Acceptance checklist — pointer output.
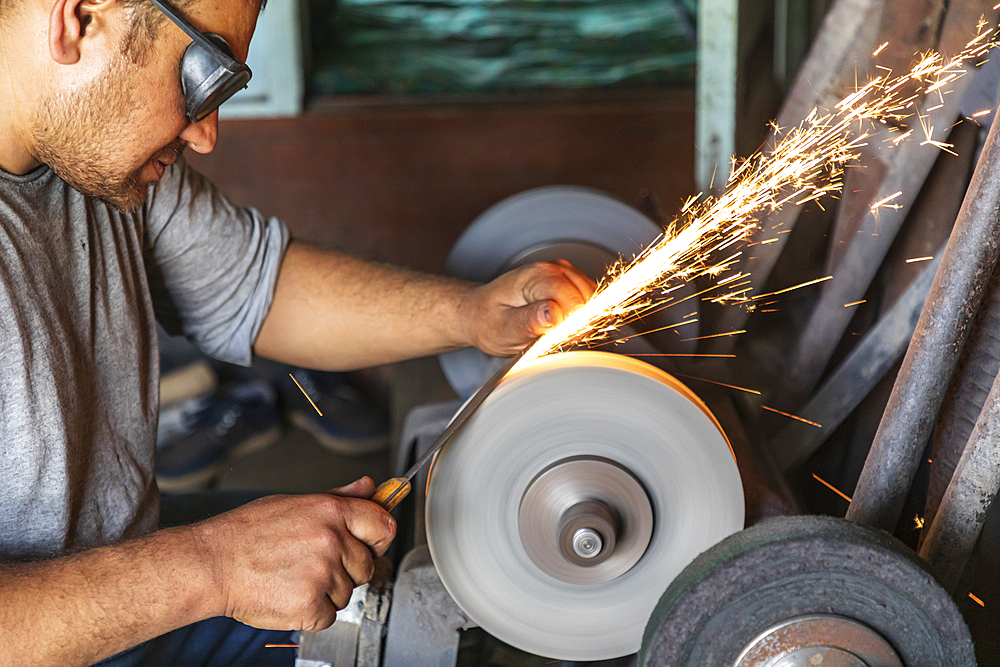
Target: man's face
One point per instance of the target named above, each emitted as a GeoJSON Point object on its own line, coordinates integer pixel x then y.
{"type": "Point", "coordinates": [114, 135]}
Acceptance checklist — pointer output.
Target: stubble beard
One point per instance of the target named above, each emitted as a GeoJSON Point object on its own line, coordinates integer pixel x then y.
{"type": "Point", "coordinates": [75, 135]}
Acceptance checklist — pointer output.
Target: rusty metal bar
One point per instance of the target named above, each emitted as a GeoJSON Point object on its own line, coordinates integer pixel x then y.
{"type": "Point", "coordinates": [848, 385]}
{"type": "Point", "coordinates": [960, 517]}
{"type": "Point", "coordinates": [941, 332]}
{"type": "Point", "coordinates": [964, 400]}
{"type": "Point", "coordinates": [908, 170]}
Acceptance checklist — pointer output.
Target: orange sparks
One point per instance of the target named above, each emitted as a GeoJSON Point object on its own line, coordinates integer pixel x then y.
{"type": "Point", "coordinates": [885, 200]}
{"type": "Point", "coordinates": [805, 163]}
{"type": "Point", "coordinates": [880, 49]}
{"type": "Point", "coordinates": [804, 421]}
{"type": "Point", "coordinates": [896, 140]}
{"type": "Point", "coordinates": [659, 354]}
{"type": "Point", "coordinates": [854, 303]}
{"type": "Point", "coordinates": [718, 335]}
{"type": "Point", "coordinates": [832, 488]}
{"type": "Point", "coordinates": [281, 645]}
{"type": "Point", "coordinates": [304, 393]}
{"type": "Point", "coordinates": [795, 287]}
{"type": "Point", "coordinates": [919, 259]}
{"type": "Point", "coordinates": [974, 598]}
{"type": "Point", "coordinates": [918, 522]}
{"type": "Point", "coordinates": [721, 384]}
{"type": "Point", "coordinates": [984, 112]}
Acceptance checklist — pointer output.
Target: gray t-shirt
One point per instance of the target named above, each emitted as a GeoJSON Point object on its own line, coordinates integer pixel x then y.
{"type": "Point", "coordinates": [81, 287]}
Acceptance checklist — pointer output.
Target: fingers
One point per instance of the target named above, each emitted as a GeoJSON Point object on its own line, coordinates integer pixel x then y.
{"type": "Point", "coordinates": [557, 283]}
{"type": "Point", "coordinates": [368, 522]}
{"type": "Point", "coordinates": [359, 488]}
{"type": "Point", "coordinates": [324, 614]}
{"type": "Point", "coordinates": [358, 562]}
{"type": "Point", "coordinates": [581, 281]}
{"type": "Point", "coordinates": [537, 318]}
{"type": "Point", "coordinates": [341, 588]}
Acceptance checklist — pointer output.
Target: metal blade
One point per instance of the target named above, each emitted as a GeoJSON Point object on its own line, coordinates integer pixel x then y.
{"type": "Point", "coordinates": [459, 419]}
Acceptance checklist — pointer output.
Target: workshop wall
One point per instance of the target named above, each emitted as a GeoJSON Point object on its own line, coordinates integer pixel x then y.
{"type": "Point", "coordinates": [400, 183]}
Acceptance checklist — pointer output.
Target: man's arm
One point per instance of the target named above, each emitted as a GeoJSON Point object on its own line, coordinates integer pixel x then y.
{"type": "Point", "coordinates": [282, 562]}
{"type": "Point", "coordinates": [335, 312]}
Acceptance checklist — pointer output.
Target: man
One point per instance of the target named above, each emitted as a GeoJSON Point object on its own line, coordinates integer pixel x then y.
{"type": "Point", "coordinates": [104, 229]}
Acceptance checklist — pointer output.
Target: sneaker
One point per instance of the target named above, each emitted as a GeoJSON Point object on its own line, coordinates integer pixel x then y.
{"type": "Point", "coordinates": [197, 437]}
{"type": "Point", "coordinates": [352, 424]}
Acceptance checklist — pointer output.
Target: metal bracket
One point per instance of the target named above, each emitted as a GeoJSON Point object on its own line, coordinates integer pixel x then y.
{"type": "Point", "coordinates": [425, 622]}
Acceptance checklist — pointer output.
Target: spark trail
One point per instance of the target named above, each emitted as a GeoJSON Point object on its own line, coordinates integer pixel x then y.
{"type": "Point", "coordinates": [805, 164]}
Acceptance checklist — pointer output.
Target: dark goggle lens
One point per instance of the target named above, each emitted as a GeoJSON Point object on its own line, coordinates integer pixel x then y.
{"type": "Point", "coordinates": [209, 78]}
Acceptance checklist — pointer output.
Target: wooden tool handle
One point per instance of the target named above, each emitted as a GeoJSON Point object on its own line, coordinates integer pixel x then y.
{"type": "Point", "coordinates": [387, 488]}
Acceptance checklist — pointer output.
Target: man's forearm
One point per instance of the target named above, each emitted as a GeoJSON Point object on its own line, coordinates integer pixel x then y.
{"type": "Point", "coordinates": [336, 312]}
{"type": "Point", "coordinates": [78, 609]}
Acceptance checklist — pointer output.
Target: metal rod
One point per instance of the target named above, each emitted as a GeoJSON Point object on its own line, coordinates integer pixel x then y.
{"type": "Point", "coordinates": [937, 342]}
{"type": "Point", "coordinates": [960, 517]}
{"type": "Point", "coordinates": [857, 375]}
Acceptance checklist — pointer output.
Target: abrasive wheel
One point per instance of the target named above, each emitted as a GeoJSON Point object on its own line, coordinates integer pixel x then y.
{"type": "Point", "coordinates": [804, 591]}
{"type": "Point", "coordinates": [589, 228]}
{"type": "Point", "coordinates": [583, 484]}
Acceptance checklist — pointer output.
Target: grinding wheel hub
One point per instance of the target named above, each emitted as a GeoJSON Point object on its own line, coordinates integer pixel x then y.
{"type": "Point", "coordinates": [819, 639]}
{"type": "Point", "coordinates": [585, 520]}
{"type": "Point", "coordinates": [583, 484]}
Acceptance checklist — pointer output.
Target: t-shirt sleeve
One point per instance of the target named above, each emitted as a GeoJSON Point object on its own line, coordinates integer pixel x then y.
{"type": "Point", "coordinates": [212, 266]}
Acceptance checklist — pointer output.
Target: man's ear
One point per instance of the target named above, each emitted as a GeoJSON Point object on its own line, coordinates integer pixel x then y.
{"type": "Point", "coordinates": [70, 23]}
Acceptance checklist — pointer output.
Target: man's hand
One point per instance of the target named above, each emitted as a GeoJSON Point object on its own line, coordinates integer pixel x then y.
{"type": "Point", "coordinates": [290, 562]}
{"type": "Point", "coordinates": [507, 314]}
{"type": "Point", "coordinates": [332, 311]}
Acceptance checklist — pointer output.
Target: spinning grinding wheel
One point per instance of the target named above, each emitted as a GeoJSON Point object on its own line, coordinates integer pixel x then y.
{"type": "Point", "coordinates": [586, 227]}
{"type": "Point", "coordinates": [582, 486]}
{"type": "Point", "coordinates": [805, 591]}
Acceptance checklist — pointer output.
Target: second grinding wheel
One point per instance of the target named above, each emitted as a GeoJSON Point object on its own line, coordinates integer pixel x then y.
{"type": "Point", "coordinates": [590, 229]}
{"type": "Point", "coordinates": [581, 487]}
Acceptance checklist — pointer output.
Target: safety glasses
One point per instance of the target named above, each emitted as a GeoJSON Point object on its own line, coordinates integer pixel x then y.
{"type": "Point", "coordinates": [210, 73]}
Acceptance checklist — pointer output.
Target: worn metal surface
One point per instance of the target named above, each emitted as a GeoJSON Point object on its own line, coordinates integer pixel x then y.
{"type": "Point", "coordinates": [374, 621]}
{"type": "Point", "coordinates": [355, 639]}
{"type": "Point", "coordinates": [964, 400]}
{"type": "Point", "coordinates": [907, 27]}
{"type": "Point", "coordinates": [819, 639]}
{"type": "Point", "coordinates": [909, 165]}
{"type": "Point", "coordinates": [421, 428]}
{"type": "Point", "coordinates": [798, 566]}
{"type": "Point", "coordinates": [960, 517]}
{"type": "Point", "coordinates": [848, 385]}
{"type": "Point", "coordinates": [954, 298]}
{"type": "Point", "coordinates": [765, 491]}
{"type": "Point", "coordinates": [424, 622]}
